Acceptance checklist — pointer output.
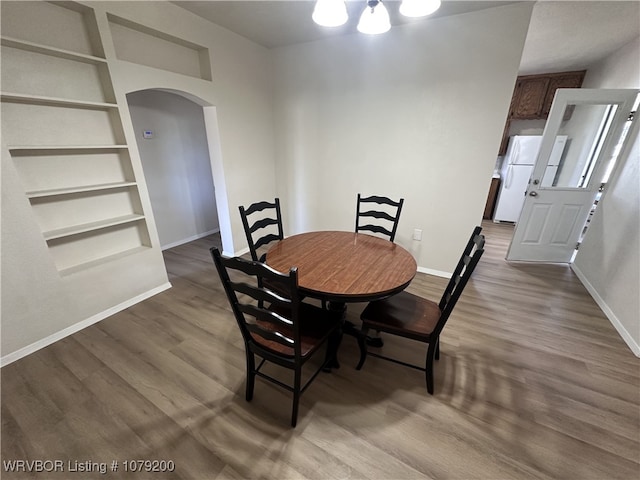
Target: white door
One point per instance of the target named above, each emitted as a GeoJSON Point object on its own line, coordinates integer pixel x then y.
{"type": "Point", "coordinates": [554, 216]}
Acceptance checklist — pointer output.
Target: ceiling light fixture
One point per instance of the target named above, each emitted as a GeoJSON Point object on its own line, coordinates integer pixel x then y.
{"type": "Point", "coordinates": [330, 13]}
{"type": "Point", "coordinates": [374, 18]}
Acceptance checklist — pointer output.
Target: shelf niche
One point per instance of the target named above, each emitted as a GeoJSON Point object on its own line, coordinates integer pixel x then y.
{"type": "Point", "coordinates": [74, 253]}
{"type": "Point", "coordinates": [145, 46]}
{"type": "Point", "coordinates": [59, 169]}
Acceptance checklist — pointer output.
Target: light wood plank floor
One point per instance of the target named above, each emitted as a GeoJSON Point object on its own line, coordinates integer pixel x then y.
{"type": "Point", "coordinates": [533, 382]}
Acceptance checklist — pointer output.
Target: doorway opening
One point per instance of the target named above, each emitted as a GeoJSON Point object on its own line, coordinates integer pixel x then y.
{"type": "Point", "coordinates": [177, 137]}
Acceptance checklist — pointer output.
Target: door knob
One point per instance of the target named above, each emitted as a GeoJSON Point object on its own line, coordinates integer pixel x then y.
{"type": "Point", "coordinates": [533, 194]}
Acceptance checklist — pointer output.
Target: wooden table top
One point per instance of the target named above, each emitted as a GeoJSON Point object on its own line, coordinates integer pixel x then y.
{"type": "Point", "coordinates": [344, 266]}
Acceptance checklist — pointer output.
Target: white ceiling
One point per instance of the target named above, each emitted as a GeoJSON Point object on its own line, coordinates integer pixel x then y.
{"type": "Point", "coordinates": [563, 35]}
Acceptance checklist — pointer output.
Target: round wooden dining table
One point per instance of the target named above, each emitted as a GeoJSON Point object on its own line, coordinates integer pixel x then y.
{"type": "Point", "coordinates": [342, 267]}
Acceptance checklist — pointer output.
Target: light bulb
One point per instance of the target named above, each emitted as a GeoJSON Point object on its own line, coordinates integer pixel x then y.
{"type": "Point", "coordinates": [330, 13]}
{"type": "Point", "coordinates": [419, 8]}
{"type": "Point", "coordinates": [374, 20]}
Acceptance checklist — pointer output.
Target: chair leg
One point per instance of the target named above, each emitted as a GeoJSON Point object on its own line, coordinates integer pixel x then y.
{"type": "Point", "coordinates": [431, 351]}
{"type": "Point", "coordinates": [251, 374]}
{"type": "Point", "coordinates": [296, 396]}
{"type": "Point", "coordinates": [438, 348]}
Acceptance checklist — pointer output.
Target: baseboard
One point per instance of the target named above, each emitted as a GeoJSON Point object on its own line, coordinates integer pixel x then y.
{"type": "Point", "coordinates": [190, 239]}
{"type": "Point", "coordinates": [626, 336]}
{"type": "Point", "coordinates": [241, 252]}
{"type": "Point", "coordinates": [436, 273]}
{"type": "Point", "coordinates": [45, 342]}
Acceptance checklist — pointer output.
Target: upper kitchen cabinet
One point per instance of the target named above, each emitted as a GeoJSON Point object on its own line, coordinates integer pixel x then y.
{"type": "Point", "coordinates": [529, 97]}
{"type": "Point", "coordinates": [533, 96]}
{"type": "Point", "coordinates": [560, 80]}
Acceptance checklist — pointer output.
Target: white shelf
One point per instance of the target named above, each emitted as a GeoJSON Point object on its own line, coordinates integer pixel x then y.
{"type": "Point", "coordinates": [53, 51]}
{"type": "Point", "coordinates": [89, 227]}
{"type": "Point", "coordinates": [55, 148]}
{"type": "Point", "coordinates": [55, 101]}
{"type": "Point", "coordinates": [79, 189]}
{"type": "Point", "coordinates": [101, 261]}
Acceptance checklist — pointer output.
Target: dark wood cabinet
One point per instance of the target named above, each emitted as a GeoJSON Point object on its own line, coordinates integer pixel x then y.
{"type": "Point", "coordinates": [533, 96]}
{"type": "Point", "coordinates": [529, 97]}
{"type": "Point", "coordinates": [491, 198]}
{"type": "Point", "coordinates": [570, 80]}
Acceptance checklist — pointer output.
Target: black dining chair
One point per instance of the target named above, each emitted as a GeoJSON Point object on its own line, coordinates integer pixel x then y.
{"type": "Point", "coordinates": [288, 332]}
{"type": "Point", "coordinates": [416, 318]}
{"type": "Point", "coordinates": [381, 217]}
{"type": "Point", "coordinates": [262, 222]}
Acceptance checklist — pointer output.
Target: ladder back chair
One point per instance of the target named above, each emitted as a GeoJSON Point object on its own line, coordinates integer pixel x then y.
{"type": "Point", "coordinates": [416, 318]}
{"type": "Point", "coordinates": [386, 214]}
{"type": "Point", "coordinates": [276, 327]}
{"type": "Point", "coordinates": [262, 223]}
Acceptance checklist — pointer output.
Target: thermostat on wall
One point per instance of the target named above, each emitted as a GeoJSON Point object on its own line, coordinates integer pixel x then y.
{"type": "Point", "coordinates": [147, 134]}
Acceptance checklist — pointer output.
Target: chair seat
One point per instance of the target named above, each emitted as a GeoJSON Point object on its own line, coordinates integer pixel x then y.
{"type": "Point", "coordinates": [316, 325]}
{"type": "Point", "coordinates": [404, 314]}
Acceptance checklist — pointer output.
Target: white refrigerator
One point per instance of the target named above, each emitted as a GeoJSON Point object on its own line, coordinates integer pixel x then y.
{"type": "Point", "coordinates": [517, 166]}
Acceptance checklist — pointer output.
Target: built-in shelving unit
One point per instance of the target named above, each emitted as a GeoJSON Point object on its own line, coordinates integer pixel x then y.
{"type": "Point", "coordinates": [68, 147]}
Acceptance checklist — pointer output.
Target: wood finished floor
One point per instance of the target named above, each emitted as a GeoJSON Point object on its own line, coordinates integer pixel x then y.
{"type": "Point", "coordinates": [533, 382]}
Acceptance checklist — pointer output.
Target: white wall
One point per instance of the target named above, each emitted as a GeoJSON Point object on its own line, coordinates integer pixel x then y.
{"type": "Point", "coordinates": [416, 113]}
{"type": "Point", "coordinates": [176, 165]}
{"type": "Point", "coordinates": [608, 261]}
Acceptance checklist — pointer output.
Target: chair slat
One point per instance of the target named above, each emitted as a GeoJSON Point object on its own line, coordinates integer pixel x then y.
{"type": "Point", "coordinates": [271, 335]}
{"type": "Point", "coordinates": [375, 229]}
{"type": "Point", "coordinates": [265, 222]}
{"type": "Point", "coordinates": [381, 200]}
{"type": "Point", "coordinates": [381, 215]}
{"type": "Point", "coordinates": [261, 242]}
{"type": "Point", "coordinates": [258, 207]}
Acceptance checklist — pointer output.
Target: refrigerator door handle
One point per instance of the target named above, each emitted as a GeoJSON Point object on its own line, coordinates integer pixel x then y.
{"type": "Point", "coordinates": [516, 153]}
{"type": "Point", "coordinates": [507, 181]}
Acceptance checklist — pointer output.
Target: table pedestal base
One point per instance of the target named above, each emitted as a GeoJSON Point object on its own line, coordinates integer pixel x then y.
{"type": "Point", "coordinates": [350, 329]}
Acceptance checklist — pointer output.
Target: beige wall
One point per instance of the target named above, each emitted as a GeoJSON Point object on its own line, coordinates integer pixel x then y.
{"type": "Point", "coordinates": [416, 113]}
{"type": "Point", "coordinates": [608, 261]}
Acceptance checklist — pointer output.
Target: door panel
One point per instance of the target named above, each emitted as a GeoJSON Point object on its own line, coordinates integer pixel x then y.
{"type": "Point", "coordinates": [566, 224]}
{"type": "Point", "coordinates": [539, 218]}
{"type": "Point", "coordinates": [554, 215]}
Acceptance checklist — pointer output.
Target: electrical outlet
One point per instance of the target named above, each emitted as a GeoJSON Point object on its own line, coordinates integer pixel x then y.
{"type": "Point", "coordinates": [417, 234]}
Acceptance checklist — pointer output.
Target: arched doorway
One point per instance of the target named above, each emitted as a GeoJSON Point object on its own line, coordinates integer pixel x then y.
{"type": "Point", "coordinates": [184, 180]}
